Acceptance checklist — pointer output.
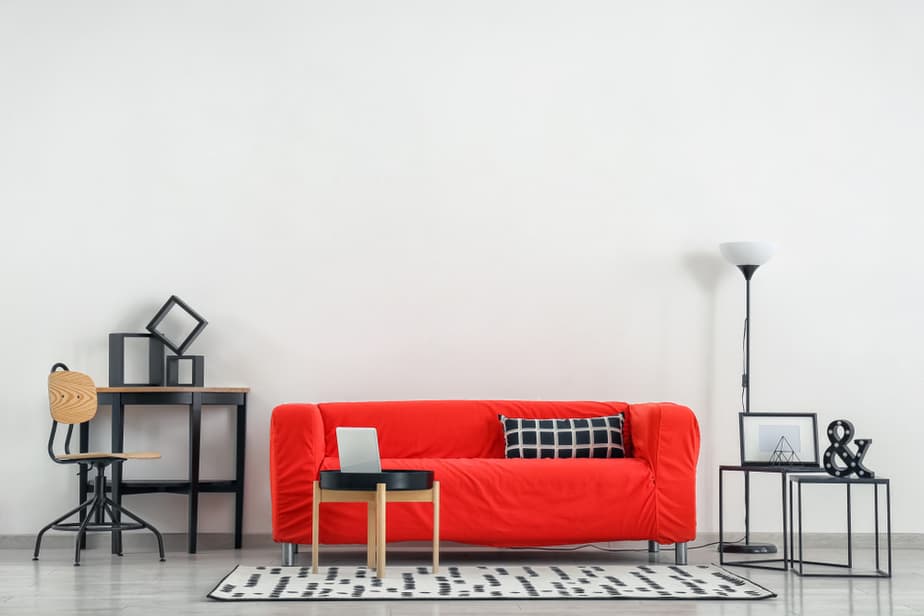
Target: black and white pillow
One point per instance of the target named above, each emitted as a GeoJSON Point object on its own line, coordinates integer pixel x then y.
{"type": "Point", "coordinates": [586, 437]}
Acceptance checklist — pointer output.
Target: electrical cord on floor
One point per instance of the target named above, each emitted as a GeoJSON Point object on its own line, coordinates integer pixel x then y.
{"type": "Point", "coordinates": [706, 545]}
{"type": "Point", "coordinates": [575, 548]}
{"type": "Point", "coordinates": [594, 546]}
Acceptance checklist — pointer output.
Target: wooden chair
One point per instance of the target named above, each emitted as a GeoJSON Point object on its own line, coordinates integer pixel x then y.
{"type": "Point", "coordinates": [72, 398]}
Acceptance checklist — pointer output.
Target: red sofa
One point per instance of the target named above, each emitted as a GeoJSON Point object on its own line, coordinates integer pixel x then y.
{"type": "Point", "coordinates": [485, 498]}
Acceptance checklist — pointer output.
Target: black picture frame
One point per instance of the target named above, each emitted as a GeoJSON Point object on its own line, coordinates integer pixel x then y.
{"type": "Point", "coordinates": [178, 347]}
{"type": "Point", "coordinates": [778, 425]}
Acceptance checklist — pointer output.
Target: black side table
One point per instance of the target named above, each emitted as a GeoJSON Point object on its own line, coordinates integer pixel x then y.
{"type": "Point", "coordinates": [376, 490]}
{"type": "Point", "coordinates": [798, 564]}
{"type": "Point", "coordinates": [774, 564]}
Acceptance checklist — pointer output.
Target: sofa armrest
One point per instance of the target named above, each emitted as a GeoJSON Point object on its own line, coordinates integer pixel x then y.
{"type": "Point", "coordinates": [296, 452]}
{"type": "Point", "coordinates": [666, 435]}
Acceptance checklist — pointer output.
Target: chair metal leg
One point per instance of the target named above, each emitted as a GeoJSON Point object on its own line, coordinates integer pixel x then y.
{"type": "Point", "coordinates": [654, 547]}
{"type": "Point", "coordinates": [82, 530]}
{"type": "Point", "coordinates": [147, 525]}
{"type": "Point", "coordinates": [112, 521]}
{"type": "Point", "coordinates": [92, 515]}
{"type": "Point", "coordinates": [100, 511]}
{"type": "Point", "coordinates": [38, 539]}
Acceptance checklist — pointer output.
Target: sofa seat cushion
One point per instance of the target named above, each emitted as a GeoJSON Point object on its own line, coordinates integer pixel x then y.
{"type": "Point", "coordinates": [512, 502]}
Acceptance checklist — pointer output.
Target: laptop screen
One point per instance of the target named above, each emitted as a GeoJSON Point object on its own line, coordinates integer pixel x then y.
{"type": "Point", "coordinates": [359, 450]}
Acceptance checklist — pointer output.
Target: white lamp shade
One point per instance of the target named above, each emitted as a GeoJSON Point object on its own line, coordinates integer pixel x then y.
{"type": "Point", "coordinates": [747, 253]}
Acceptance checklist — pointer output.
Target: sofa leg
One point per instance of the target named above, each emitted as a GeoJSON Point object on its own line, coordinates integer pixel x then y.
{"type": "Point", "coordinates": [288, 554]}
{"type": "Point", "coordinates": [654, 547]}
{"type": "Point", "coordinates": [680, 553]}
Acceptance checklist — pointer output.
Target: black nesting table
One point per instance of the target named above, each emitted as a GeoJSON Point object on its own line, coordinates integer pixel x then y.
{"type": "Point", "coordinates": [784, 471]}
{"type": "Point", "coordinates": [833, 569]}
{"type": "Point", "coordinates": [195, 398]}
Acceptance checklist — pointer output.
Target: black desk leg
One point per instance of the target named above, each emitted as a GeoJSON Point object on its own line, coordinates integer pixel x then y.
{"type": "Point", "coordinates": [721, 520]}
{"type": "Point", "coordinates": [850, 531]}
{"type": "Point", "coordinates": [876, 521]}
{"type": "Point", "coordinates": [792, 541]}
{"type": "Point", "coordinates": [801, 555]}
{"type": "Point", "coordinates": [100, 511]}
{"type": "Point", "coordinates": [241, 442]}
{"type": "Point", "coordinates": [118, 438]}
{"type": "Point", "coordinates": [747, 508]}
{"type": "Point", "coordinates": [889, 522]}
{"type": "Point", "coordinates": [82, 486]}
{"type": "Point", "coordinates": [786, 546]}
{"type": "Point", "coordinates": [195, 429]}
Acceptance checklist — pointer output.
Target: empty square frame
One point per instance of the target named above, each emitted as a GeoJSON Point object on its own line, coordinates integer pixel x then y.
{"type": "Point", "coordinates": [177, 325]}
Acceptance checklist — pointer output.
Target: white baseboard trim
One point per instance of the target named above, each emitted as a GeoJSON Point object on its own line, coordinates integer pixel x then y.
{"type": "Point", "coordinates": [914, 541]}
{"type": "Point", "coordinates": [135, 541]}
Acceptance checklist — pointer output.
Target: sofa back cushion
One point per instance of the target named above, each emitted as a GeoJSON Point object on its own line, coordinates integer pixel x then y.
{"type": "Point", "coordinates": [447, 428]}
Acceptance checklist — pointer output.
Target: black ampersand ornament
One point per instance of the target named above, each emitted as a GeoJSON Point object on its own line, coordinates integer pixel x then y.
{"type": "Point", "coordinates": [840, 433]}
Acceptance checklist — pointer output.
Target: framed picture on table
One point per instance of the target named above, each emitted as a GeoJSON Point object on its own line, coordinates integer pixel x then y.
{"type": "Point", "coordinates": [778, 439]}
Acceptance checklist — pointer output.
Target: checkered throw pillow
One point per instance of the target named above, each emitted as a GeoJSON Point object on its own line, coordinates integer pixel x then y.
{"type": "Point", "coordinates": [587, 437]}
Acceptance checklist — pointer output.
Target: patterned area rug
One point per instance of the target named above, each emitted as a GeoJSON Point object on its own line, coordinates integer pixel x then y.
{"type": "Point", "coordinates": [487, 582]}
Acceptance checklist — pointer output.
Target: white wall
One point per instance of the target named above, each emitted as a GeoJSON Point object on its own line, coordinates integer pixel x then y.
{"type": "Point", "coordinates": [376, 200]}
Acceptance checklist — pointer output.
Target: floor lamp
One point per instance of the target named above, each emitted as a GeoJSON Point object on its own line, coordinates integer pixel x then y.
{"type": "Point", "coordinates": [747, 257]}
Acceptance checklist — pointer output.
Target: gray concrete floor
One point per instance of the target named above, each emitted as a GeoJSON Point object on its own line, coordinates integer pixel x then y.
{"type": "Point", "coordinates": [139, 584]}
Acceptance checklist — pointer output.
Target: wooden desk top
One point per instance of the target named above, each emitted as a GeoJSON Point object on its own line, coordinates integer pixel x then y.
{"type": "Point", "coordinates": [171, 390]}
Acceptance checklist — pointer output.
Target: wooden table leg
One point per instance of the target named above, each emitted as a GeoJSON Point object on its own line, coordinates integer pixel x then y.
{"type": "Point", "coordinates": [380, 500]}
{"type": "Point", "coordinates": [436, 527]}
{"type": "Point", "coordinates": [370, 535]}
{"type": "Point", "coordinates": [315, 524]}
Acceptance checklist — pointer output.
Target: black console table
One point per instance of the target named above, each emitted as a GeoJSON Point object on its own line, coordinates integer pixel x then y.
{"type": "Point", "coordinates": [194, 398]}
{"type": "Point", "coordinates": [776, 564]}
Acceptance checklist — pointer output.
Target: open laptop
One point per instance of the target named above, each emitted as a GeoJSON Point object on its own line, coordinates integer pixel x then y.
{"type": "Point", "coordinates": [359, 450]}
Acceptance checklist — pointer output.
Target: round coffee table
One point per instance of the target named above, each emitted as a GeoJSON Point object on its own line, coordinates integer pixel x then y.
{"type": "Point", "coordinates": [376, 490]}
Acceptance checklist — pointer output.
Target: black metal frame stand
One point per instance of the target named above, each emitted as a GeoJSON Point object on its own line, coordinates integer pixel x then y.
{"type": "Point", "coordinates": [96, 508]}
{"type": "Point", "coordinates": [192, 487]}
{"type": "Point", "coordinates": [848, 482]}
{"type": "Point", "coordinates": [773, 564]}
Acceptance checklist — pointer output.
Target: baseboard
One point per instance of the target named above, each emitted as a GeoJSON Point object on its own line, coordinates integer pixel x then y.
{"type": "Point", "coordinates": [914, 541]}
{"type": "Point", "coordinates": [176, 542]}
{"type": "Point", "coordinates": [137, 541]}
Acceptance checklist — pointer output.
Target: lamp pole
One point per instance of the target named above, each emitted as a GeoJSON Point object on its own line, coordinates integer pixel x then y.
{"type": "Point", "coordinates": [747, 257]}
{"type": "Point", "coordinates": [748, 271]}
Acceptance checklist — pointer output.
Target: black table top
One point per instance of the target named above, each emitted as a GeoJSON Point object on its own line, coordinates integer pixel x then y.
{"type": "Point", "coordinates": [776, 468]}
{"type": "Point", "coordinates": [393, 479]}
{"type": "Point", "coordinates": [830, 479]}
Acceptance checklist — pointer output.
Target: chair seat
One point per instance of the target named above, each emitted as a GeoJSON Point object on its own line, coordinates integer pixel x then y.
{"type": "Point", "coordinates": [100, 455]}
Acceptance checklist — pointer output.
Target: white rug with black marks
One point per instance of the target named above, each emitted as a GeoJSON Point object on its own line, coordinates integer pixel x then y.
{"type": "Point", "coordinates": [487, 582]}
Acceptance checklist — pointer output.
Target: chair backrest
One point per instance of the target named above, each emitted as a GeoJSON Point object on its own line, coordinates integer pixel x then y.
{"type": "Point", "coordinates": [71, 396]}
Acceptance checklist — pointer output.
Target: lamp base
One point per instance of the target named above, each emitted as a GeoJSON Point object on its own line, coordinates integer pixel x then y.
{"type": "Point", "coordinates": [749, 548]}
